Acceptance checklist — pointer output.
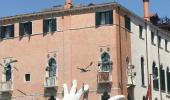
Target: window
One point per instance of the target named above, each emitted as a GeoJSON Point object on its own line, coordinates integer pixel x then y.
{"type": "Point", "coordinates": [162, 78]}
{"type": "Point", "coordinates": [52, 67]}
{"type": "Point", "coordinates": [127, 23]}
{"type": "Point", "coordinates": [7, 31]}
{"type": "Point", "coordinates": [106, 63]}
{"type": "Point", "coordinates": [27, 77]}
{"type": "Point", "coordinates": [49, 25]}
{"type": "Point", "coordinates": [103, 18]}
{"type": "Point", "coordinates": [155, 75]}
{"type": "Point", "coordinates": [8, 72]}
{"type": "Point", "coordinates": [25, 28]}
{"type": "Point", "coordinates": [166, 45]}
{"type": "Point", "coordinates": [142, 71]}
{"type": "Point", "coordinates": [168, 80]}
{"type": "Point", "coordinates": [152, 37]}
{"type": "Point", "coordinates": [159, 41]}
{"type": "Point", "coordinates": [141, 32]}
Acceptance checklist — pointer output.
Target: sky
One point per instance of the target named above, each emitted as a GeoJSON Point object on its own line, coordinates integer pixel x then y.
{"type": "Point", "coordinates": [16, 7]}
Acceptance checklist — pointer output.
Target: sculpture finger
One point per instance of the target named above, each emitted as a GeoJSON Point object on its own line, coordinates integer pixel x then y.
{"type": "Point", "coordinates": [81, 91]}
{"type": "Point", "coordinates": [65, 89]}
{"type": "Point", "coordinates": [73, 88]}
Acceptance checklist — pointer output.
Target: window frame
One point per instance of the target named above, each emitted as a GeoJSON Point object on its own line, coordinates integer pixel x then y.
{"type": "Point", "coordinates": [108, 19]}
{"type": "Point", "coordinates": [25, 80]}
{"type": "Point", "coordinates": [3, 31]}
{"type": "Point", "coordinates": [49, 25]}
{"type": "Point", "coordinates": [141, 34]}
{"type": "Point", "coordinates": [25, 28]}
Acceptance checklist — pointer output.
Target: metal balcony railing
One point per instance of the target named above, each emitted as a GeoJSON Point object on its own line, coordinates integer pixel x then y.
{"type": "Point", "coordinates": [104, 77]}
{"type": "Point", "coordinates": [50, 82]}
{"type": "Point", "coordinates": [6, 86]}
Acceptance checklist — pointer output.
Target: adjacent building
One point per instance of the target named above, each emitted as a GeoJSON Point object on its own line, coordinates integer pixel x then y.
{"type": "Point", "coordinates": [106, 46]}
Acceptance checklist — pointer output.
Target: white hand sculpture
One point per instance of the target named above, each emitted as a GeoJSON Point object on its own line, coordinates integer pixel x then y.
{"type": "Point", "coordinates": [73, 95]}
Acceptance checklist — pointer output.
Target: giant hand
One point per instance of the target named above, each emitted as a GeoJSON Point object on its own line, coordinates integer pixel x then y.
{"type": "Point", "coordinates": [73, 95]}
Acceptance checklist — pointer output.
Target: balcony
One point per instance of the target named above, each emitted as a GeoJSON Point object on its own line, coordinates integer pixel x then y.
{"type": "Point", "coordinates": [6, 86]}
{"type": "Point", "coordinates": [104, 77]}
{"type": "Point", "coordinates": [50, 82]}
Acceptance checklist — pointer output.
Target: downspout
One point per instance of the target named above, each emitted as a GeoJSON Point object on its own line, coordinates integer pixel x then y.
{"type": "Point", "coordinates": [120, 44]}
{"type": "Point", "coordinates": [147, 61]}
{"type": "Point", "coordinates": [159, 63]}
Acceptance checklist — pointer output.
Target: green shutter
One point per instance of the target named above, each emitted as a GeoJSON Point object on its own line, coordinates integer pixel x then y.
{"type": "Point", "coordinates": [53, 25]}
{"type": "Point", "coordinates": [45, 26]}
{"type": "Point", "coordinates": [12, 31]}
{"type": "Point", "coordinates": [97, 18]}
{"type": "Point", "coordinates": [29, 28]}
{"type": "Point", "coordinates": [111, 17]}
{"type": "Point", "coordinates": [21, 29]}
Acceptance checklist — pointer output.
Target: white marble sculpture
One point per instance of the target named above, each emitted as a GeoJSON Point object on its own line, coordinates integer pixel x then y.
{"type": "Point", "coordinates": [73, 95]}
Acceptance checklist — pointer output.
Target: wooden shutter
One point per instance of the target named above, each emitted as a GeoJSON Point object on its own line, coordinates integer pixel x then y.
{"type": "Point", "coordinates": [53, 25]}
{"type": "Point", "coordinates": [2, 31]}
{"type": "Point", "coordinates": [45, 26]}
{"type": "Point", "coordinates": [127, 23]}
{"type": "Point", "coordinates": [97, 18]}
{"type": "Point", "coordinates": [21, 29]}
{"type": "Point", "coordinates": [29, 28]}
{"type": "Point", "coordinates": [111, 17]}
{"type": "Point", "coordinates": [12, 31]}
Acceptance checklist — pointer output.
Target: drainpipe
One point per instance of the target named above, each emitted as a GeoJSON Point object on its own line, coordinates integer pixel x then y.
{"type": "Point", "coordinates": [120, 44]}
{"type": "Point", "coordinates": [147, 57]}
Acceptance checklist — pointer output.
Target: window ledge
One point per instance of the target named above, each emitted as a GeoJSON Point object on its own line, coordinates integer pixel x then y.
{"type": "Point", "coordinates": [142, 38]}
{"type": "Point", "coordinates": [167, 50]}
{"type": "Point", "coordinates": [144, 86]}
{"type": "Point", "coordinates": [103, 25]}
{"type": "Point", "coordinates": [155, 89]}
{"type": "Point", "coordinates": [154, 44]}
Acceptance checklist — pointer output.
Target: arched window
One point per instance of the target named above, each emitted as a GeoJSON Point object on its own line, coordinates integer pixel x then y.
{"type": "Point", "coordinates": [8, 72]}
{"type": "Point", "coordinates": [155, 75]}
{"type": "Point", "coordinates": [52, 67]}
{"type": "Point", "coordinates": [168, 80]}
{"type": "Point", "coordinates": [142, 71]}
{"type": "Point", "coordinates": [106, 65]}
{"type": "Point", "coordinates": [162, 78]}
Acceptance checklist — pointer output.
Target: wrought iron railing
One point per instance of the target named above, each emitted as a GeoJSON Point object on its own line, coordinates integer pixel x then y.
{"type": "Point", "coordinates": [104, 77]}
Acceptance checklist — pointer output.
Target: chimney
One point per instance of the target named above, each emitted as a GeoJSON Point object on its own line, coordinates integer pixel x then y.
{"type": "Point", "coordinates": [146, 10]}
{"type": "Point", "coordinates": [68, 4]}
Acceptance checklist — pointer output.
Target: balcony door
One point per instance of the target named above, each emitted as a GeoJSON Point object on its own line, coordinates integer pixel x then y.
{"type": "Point", "coordinates": [52, 67]}
{"type": "Point", "coordinates": [105, 58]}
{"type": "Point", "coordinates": [8, 72]}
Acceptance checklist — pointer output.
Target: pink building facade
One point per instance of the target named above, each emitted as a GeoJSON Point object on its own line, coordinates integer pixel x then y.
{"type": "Point", "coordinates": [41, 51]}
